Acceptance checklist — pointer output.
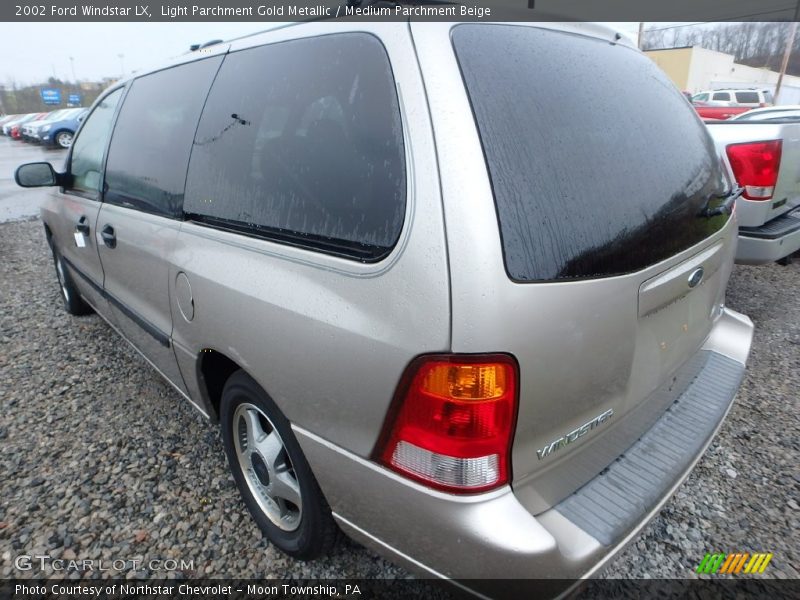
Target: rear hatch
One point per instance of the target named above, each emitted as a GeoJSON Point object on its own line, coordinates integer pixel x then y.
{"type": "Point", "coordinates": [602, 175]}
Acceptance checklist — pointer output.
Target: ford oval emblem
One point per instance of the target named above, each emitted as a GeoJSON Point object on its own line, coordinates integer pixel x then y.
{"type": "Point", "coordinates": [696, 277]}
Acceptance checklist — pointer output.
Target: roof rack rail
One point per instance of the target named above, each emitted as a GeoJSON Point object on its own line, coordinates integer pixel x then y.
{"type": "Point", "coordinates": [195, 47]}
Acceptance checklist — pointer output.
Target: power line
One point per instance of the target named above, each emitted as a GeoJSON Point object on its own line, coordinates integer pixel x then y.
{"type": "Point", "coordinates": [736, 18]}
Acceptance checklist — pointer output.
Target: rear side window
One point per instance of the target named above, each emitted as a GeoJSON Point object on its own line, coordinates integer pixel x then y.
{"type": "Point", "coordinates": [747, 97]}
{"type": "Point", "coordinates": [301, 142]}
{"type": "Point", "coordinates": [589, 179]}
{"type": "Point", "coordinates": [152, 139]}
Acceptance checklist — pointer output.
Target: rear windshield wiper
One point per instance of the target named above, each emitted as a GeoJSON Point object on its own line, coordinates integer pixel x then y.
{"type": "Point", "coordinates": [725, 208]}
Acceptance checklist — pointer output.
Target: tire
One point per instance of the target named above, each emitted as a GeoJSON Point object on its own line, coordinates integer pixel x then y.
{"type": "Point", "coordinates": [786, 260]}
{"type": "Point", "coordinates": [63, 139]}
{"type": "Point", "coordinates": [73, 302]}
{"type": "Point", "coordinates": [273, 476]}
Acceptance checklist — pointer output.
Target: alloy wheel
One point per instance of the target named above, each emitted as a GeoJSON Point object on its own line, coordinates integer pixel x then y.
{"type": "Point", "coordinates": [267, 467]}
{"type": "Point", "coordinates": [62, 279]}
{"type": "Point", "coordinates": [64, 139]}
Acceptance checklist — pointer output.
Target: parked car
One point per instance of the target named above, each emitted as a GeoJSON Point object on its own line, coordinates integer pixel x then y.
{"type": "Point", "coordinates": [707, 111]}
{"type": "Point", "coordinates": [484, 336]}
{"type": "Point", "coordinates": [59, 131]}
{"type": "Point", "coordinates": [27, 129]}
{"type": "Point", "coordinates": [16, 130]}
{"type": "Point", "coordinates": [764, 157]}
{"type": "Point", "coordinates": [751, 97]}
{"type": "Point", "coordinates": [10, 125]}
{"type": "Point", "coordinates": [7, 119]}
{"type": "Point", "coordinates": [772, 113]}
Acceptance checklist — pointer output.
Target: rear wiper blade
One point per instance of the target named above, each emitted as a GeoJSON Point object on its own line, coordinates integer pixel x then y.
{"type": "Point", "coordinates": [725, 208]}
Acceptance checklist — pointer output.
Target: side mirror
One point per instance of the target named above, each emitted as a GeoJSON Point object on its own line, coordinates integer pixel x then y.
{"type": "Point", "coordinates": [39, 174]}
{"type": "Point", "coordinates": [81, 118]}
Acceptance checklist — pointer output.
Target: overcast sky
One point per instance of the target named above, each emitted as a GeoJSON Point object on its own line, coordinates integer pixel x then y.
{"type": "Point", "coordinates": [32, 52]}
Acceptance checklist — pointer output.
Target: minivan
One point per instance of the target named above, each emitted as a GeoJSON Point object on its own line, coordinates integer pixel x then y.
{"type": "Point", "coordinates": [449, 288]}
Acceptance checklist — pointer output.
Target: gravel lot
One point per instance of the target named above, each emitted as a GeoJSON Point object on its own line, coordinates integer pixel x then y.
{"type": "Point", "coordinates": [102, 459]}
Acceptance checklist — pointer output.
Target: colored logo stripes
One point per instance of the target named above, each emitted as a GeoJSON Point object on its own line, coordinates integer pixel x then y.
{"type": "Point", "coordinates": [739, 562]}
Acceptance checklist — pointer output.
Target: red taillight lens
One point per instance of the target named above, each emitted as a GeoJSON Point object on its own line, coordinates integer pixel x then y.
{"type": "Point", "coordinates": [453, 421]}
{"type": "Point", "coordinates": [755, 165]}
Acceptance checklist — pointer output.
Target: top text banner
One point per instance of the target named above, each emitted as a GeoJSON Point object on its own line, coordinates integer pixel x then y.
{"type": "Point", "coordinates": [429, 10]}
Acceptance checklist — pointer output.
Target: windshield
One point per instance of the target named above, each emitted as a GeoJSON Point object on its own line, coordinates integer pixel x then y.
{"type": "Point", "coordinates": [56, 114]}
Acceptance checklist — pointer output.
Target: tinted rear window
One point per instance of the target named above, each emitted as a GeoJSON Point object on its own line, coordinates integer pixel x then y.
{"type": "Point", "coordinates": [301, 142]}
{"type": "Point", "coordinates": [747, 97]}
{"type": "Point", "coordinates": [598, 165]}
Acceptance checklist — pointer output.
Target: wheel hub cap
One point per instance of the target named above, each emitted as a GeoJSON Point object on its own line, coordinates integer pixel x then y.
{"type": "Point", "coordinates": [260, 468]}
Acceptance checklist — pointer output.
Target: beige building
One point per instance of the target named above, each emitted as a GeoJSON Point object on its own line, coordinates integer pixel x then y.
{"type": "Point", "coordinates": [693, 69]}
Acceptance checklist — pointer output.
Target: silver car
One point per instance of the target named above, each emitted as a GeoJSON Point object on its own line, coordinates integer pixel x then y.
{"type": "Point", "coordinates": [452, 289]}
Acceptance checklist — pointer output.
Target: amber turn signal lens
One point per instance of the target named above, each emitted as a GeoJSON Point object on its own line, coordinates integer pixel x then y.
{"type": "Point", "coordinates": [466, 382]}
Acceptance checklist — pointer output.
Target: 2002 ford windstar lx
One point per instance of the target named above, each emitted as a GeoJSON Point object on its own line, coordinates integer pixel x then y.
{"type": "Point", "coordinates": [452, 289]}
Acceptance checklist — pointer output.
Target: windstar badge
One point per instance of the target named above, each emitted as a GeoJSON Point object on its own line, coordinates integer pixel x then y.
{"type": "Point", "coordinates": [574, 434]}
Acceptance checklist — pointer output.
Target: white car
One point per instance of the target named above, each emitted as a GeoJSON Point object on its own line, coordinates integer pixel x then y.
{"type": "Point", "coordinates": [730, 97]}
{"type": "Point", "coordinates": [771, 113]}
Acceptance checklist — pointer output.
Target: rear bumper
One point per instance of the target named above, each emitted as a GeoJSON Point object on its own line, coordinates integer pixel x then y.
{"type": "Point", "coordinates": [772, 241]}
{"type": "Point", "coordinates": [492, 536]}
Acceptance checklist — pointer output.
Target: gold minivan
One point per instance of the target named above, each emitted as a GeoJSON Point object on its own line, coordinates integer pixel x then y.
{"type": "Point", "coordinates": [457, 290]}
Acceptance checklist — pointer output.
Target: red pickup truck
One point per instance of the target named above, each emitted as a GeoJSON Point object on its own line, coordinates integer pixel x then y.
{"type": "Point", "coordinates": [707, 111]}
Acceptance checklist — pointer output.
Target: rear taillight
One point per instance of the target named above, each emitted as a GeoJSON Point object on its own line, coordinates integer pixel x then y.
{"type": "Point", "coordinates": [755, 165]}
{"type": "Point", "coordinates": [452, 422]}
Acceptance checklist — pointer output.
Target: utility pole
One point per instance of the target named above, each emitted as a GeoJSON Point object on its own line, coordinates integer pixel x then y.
{"type": "Point", "coordinates": [72, 66]}
{"type": "Point", "coordinates": [641, 32]}
{"type": "Point", "coordinates": [785, 63]}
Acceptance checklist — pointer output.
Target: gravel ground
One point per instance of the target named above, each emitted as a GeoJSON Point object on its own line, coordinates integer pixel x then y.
{"type": "Point", "coordinates": [103, 460]}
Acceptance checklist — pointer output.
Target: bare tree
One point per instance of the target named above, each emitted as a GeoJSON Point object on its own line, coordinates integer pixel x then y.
{"type": "Point", "coordinates": [751, 43]}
